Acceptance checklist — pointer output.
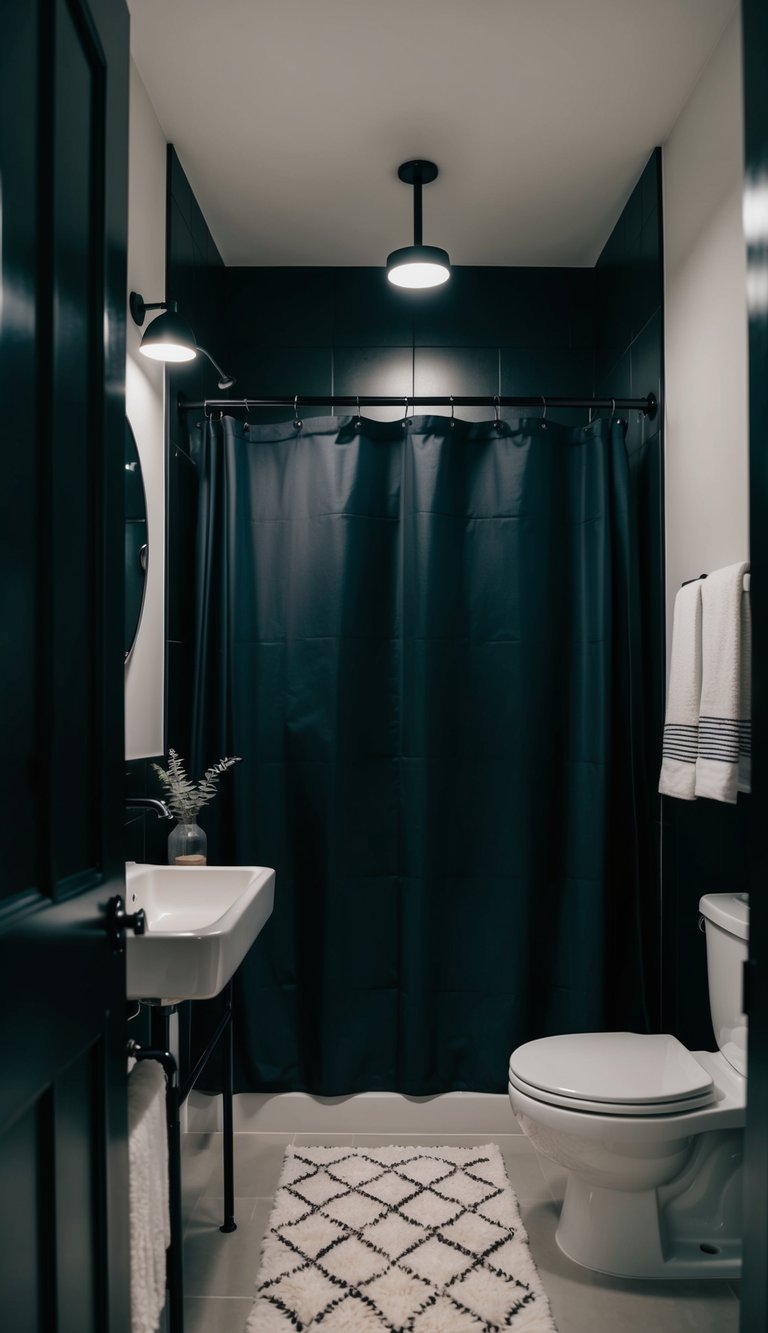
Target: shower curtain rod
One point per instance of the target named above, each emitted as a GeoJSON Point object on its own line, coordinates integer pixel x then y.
{"type": "Point", "coordinates": [647, 405]}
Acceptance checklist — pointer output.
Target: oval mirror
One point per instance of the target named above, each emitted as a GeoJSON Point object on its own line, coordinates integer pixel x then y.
{"type": "Point", "coordinates": [136, 548]}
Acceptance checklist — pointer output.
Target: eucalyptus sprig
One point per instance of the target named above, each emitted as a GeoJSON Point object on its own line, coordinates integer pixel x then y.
{"type": "Point", "coordinates": [184, 797]}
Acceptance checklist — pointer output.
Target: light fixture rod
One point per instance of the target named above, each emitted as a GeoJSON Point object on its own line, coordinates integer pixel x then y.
{"type": "Point", "coordinates": [417, 173]}
{"type": "Point", "coordinates": [418, 228]}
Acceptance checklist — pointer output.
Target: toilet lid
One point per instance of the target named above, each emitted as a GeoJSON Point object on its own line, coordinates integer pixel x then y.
{"type": "Point", "coordinates": [626, 1069]}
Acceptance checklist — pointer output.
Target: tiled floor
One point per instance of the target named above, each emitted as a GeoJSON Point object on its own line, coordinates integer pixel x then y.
{"type": "Point", "coordinates": [220, 1270]}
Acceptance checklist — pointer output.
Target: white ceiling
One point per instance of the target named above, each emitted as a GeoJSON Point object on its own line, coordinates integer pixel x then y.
{"type": "Point", "coordinates": [291, 117]}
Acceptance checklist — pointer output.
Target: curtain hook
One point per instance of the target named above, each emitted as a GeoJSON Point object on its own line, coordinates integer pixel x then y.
{"type": "Point", "coordinates": [297, 425]}
{"type": "Point", "coordinates": [589, 417]}
{"type": "Point", "coordinates": [613, 409]}
{"type": "Point", "coordinates": [544, 413]}
{"type": "Point", "coordinates": [247, 422]}
{"type": "Point", "coordinates": [497, 423]}
{"type": "Point", "coordinates": [453, 412]}
{"type": "Point", "coordinates": [406, 421]}
{"type": "Point", "coordinates": [358, 419]}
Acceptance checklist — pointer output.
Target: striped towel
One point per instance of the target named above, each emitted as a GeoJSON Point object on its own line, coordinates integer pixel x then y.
{"type": "Point", "coordinates": [681, 726]}
{"type": "Point", "coordinates": [725, 727]}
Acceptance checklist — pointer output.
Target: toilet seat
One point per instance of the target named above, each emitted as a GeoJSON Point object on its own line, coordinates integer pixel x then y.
{"type": "Point", "coordinates": [612, 1073]}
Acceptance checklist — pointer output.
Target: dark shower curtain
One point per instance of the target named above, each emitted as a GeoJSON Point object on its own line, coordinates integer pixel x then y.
{"type": "Point", "coordinates": [423, 642]}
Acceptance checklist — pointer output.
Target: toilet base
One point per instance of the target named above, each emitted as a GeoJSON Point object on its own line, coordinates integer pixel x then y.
{"type": "Point", "coordinates": [690, 1228]}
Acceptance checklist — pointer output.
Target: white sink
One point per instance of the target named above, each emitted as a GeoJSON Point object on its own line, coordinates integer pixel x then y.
{"type": "Point", "coordinates": [201, 922]}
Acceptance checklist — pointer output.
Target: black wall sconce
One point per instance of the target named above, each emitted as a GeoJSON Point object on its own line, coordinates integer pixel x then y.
{"type": "Point", "coordinates": [169, 337]}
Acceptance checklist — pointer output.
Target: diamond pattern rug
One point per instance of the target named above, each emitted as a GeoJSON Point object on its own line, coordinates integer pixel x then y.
{"type": "Point", "coordinates": [397, 1240]}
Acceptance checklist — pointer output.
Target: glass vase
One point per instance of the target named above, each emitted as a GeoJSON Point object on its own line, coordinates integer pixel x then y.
{"type": "Point", "coordinates": [187, 845]}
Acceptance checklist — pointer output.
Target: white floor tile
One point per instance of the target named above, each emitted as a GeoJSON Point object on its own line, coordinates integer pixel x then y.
{"type": "Point", "coordinates": [219, 1264]}
{"type": "Point", "coordinates": [200, 1158]}
{"type": "Point", "coordinates": [523, 1169]}
{"type": "Point", "coordinates": [208, 1213]}
{"type": "Point", "coordinates": [206, 1314]}
{"type": "Point", "coordinates": [430, 1140]}
{"type": "Point", "coordinates": [323, 1140]}
{"type": "Point", "coordinates": [258, 1163]}
{"type": "Point", "coordinates": [587, 1302]}
{"type": "Point", "coordinates": [221, 1270]}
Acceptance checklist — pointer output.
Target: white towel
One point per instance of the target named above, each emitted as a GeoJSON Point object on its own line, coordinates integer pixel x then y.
{"type": "Point", "coordinates": [724, 722]}
{"type": "Point", "coordinates": [148, 1194]}
{"type": "Point", "coordinates": [681, 725]}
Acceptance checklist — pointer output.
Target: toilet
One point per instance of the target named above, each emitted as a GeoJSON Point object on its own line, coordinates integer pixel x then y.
{"type": "Point", "coordinates": [649, 1133]}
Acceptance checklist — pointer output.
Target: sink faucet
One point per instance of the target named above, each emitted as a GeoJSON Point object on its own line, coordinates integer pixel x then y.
{"type": "Point", "coordinates": [148, 803]}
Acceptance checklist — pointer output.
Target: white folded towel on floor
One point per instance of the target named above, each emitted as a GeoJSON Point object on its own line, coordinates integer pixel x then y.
{"type": "Point", "coordinates": [681, 725]}
{"type": "Point", "coordinates": [722, 766]}
{"type": "Point", "coordinates": [148, 1194]}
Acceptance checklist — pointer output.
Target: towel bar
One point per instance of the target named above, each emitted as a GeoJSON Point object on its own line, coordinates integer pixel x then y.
{"type": "Point", "coordinates": [746, 586]}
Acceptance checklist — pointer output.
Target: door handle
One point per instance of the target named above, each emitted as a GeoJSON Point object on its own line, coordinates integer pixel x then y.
{"type": "Point", "coordinates": [118, 921]}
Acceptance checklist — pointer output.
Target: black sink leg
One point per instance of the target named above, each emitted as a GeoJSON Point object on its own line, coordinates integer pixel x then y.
{"type": "Point", "coordinates": [227, 1120]}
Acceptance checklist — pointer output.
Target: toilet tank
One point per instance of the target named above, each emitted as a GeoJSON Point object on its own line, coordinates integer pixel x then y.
{"type": "Point", "coordinates": [726, 921]}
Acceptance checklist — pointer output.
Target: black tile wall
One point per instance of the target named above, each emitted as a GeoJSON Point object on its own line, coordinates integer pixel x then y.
{"type": "Point", "coordinates": [347, 331]}
{"type": "Point", "coordinates": [701, 846]}
{"type": "Point", "coordinates": [368, 311]}
{"type": "Point", "coordinates": [182, 505]}
{"type": "Point", "coordinates": [146, 836]}
{"type": "Point", "coordinates": [195, 278]}
{"type": "Point", "coordinates": [629, 358]}
{"type": "Point", "coordinates": [384, 370]}
{"type": "Point", "coordinates": [705, 851]}
{"type": "Point", "coordinates": [490, 330]}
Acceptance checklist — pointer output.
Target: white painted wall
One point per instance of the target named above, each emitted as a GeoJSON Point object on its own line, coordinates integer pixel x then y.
{"type": "Point", "coordinates": [706, 464]}
{"type": "Point", "coordinates": [145, 407]}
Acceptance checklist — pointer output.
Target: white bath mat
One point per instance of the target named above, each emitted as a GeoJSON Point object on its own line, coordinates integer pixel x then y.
{"type": "Point", "coordinates": [397, 1240]}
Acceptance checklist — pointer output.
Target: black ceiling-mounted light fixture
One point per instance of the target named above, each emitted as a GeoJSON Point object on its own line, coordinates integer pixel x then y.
{"type": "Point", "coordinates": [418, 265]}
{"type": "Point", "coordinates": [169, 337]}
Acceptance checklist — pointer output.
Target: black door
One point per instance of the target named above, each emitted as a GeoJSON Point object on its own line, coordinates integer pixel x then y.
{"type": "Point", "coordinates": [63, 182]}
{"type": "Point", "coordinates": [754, 1313]}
